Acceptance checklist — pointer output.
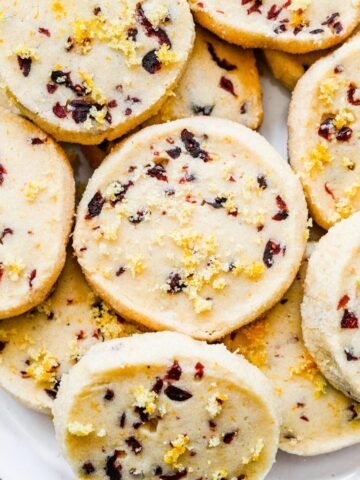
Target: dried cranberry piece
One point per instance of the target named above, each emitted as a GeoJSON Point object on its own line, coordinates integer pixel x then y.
{"type": "Point", "coordinates": [220, 62]}
{"type": "Point", "coordinates": [353, 411]}
{"type": "Point", "coordinates": [283, 212]}
{"type": "Point", "coordinates": [59, 110]}
{"type": "Point", "coordinates": [174, 372]}
{"type": "Point", "coordinates": [120, 271]}
{"type": "Point", "coordinates": [217, 203]}
{"type": "Point", "coordinates": [138, 218]}
{"type": "Point", "coordinates": [343, 302]}
{"type": "Point", "coordinates": [134, 444]}
{"type": "Point", "coordinates": [317, 31]}
{"type": "Point", "coordinates": [199, 371]}
{"type": "Point", "coordinates": [157, 471]}
{"type": "Point", "coordinates": [354, 94]}
{"type": "Point", "coordinates": [262, 182]}
{"type": "Point", "coordinates": [174, 152]}
{"type": "Point", "coordinates": [304, 418]}
{"type": "Point", "coordinates": [80, 110]}
{"type": "Point", "coordinates": [229, 437]}
{"type": "Point", "coordinates": [275, 11]}
{"type": "Point", "coordinates": [344, 134]}
{"type": "Point", "coordinates": [271, 249]}
{"type": "Point", "coordinates": [159, 33]}
{"type": "Point", "coordinates": [109, 395]}
{"type": "Point", "coordinates": [32, 277]}
{"type": "Point", "coordinates": [44, 31]}
{"type": "Point", "coordinates": [349, 320]}
{"type": "Point", "coordinates": [193, 146]}
{"type": "Point", "coordinates": [122, 193]}
{"type": "Point", "coordinates": [122, 420]}
{"type": "Point", "coordinates": [132, 34]}
{"type": "Point", "coordinates": [52, 393]}
{"type": "Point", "coordinates": [329, 191]}
{"type": "Point", "coordinates": [202, 110]}
{"type": "Point", "coordinates": [227, 85]}
{"type": "Point", "coordinates": [51, 88]}
{"type": "Point", "coordinates": [96, 11]}
{"type": "Point", "coordinates": [38, 141]}
{"type": "Point", "coordinates": [331, 18]}
{"type": "Point", "coordinates": [25, 65]}
{"type": "Point", "coordinates": [6, 231]}
{"type": "Point", "coordinates": [113, 468]}
{"type": "Point", "coordinates": [327, 128]}
{"type": "Point", "coordinates": [2, 345]}
{"type": "Point", "coordinates": [88, 468]}
{"type": "Point", "coordinates": [174, 476]}
{"type": "Point", "coordinates": [175, 282]}
{"type": "Point", "coordinates": [350, 356]}
{"type": "Point", "coordinates": [157, 171]}
{"type": "Point", "coordinates": [151, 63]}
{"type": "Point", "coordinates": [3, 172]}
{"type": "Point", "coordinates": [158, 386]}
{"type": "Point", "coordinates": [95, 206]}
{"type": "Point", "coordinates": [255, 8]}
{"type": "Point", "coordinates": [177, 394]}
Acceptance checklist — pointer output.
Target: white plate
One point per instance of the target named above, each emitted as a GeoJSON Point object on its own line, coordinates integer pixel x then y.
{"type": "Point", "coordinates": [28, 450]}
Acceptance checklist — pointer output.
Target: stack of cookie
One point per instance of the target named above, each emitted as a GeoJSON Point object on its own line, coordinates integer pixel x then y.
{"type": "Point", "coordinates": [192, 230]}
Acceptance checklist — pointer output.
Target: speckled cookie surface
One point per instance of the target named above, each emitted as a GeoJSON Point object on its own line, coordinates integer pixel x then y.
{"type": "Point", "coordinates": [295, 26]}
{"type": "Point", "coordinates": [164, 406]}
{"type": "Point", "coordinates": [331, 307]}
{"type": "Point", "coordinates": [37, 348]}
{"type": "Point", "coordinates": [81, 70]}
{"type": "Point", "coordinates": [36, 209]}
{"type": "Point", "coordinates": [187, 217]}
{"type": "Point", "coordinates": [324, 124]}
{"type": "Point", "coordinates": [317, 418]}
{"type": "Point", "coordinates": [220, 80]}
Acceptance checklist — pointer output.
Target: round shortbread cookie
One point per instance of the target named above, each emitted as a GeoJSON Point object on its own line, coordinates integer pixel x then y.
{"type": "Point", "coordinates": [37, 348]}
{"type": "Point", "coordinates": [220, 80]}
{"type": "Point", "coordinates": [164, 406]}
{"type": "Point", "coordinates": [86, 72]}
{"type": "Point", "coordinates": [36, 212]}
{"type": "Point", "coordinates": [324, 126]}
{"type": "Point", "coordinates": [295, 26]}
{"type": "Point", "coordinates": [316, 418]}
{"type": "Point", "coordinates": [331, 307]}
{"type": "Point", "coordinates": [186, 218]}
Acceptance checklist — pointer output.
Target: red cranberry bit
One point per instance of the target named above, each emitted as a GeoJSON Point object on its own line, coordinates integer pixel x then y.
{"type": "Point", "coordinates": [2, 345]}
{"type": "Point", "coordinates": [32, 277]}
{"type": "Point", "coordinates": [120, 271]}
{"type": "Point", "coordinates": [122, 420]}
{"type": "Point", "coordinates": [51, 88]}
{"type": "Point", "coordinates": [333, 22]}
{"type": "Point", "coordinates": [113, 467]}
{"type": "Point", "coordinates": [80, 110]}
{"type": "Point", "coordinates": [329, 191]}
{"type": "Point", "coordinates": [157, 171]}
{"type": "Point", "coordinates": [275, 11]}
{"type": "Point", "coordinates": [283, 212]}
{"type": "Point", "coordinates": [206, 110]}
{"type": "Point", "coordinates": [349, 320]}
{"type": "Point", "coordinates": [304, 418]}
{"type": "Point", "coordinates": [174, 476]}
{"type": "Point", "coordinates": [343, 302]}
{"type": "Point", "coordinates": [327, 129]}
{"type": "Point", "coordinates": [159, 33]}
{"type": "Point", "coordinates": [227, 85]}
{"type": "Point", "coordinates": [97, 10]}
{"type": "Point", "coordinates": [3, 172]}
{"type": "Point", "coordinates": [353, 411]}
{"type": "Point", "coordinates": [262, 182]}
{"type": "Point", "coordinates": [132, 34]}
{"type": "Point", "coordinates": [6, 231]}
{"type": "Point", "coordinates": [344, 134]}
{"type": "Point", "coordinates": [59, 110]}
{"type": "Point", "coordinates": [138, 218]}
{"type": "Point", "coordinates": [128, 112]}
{"type": "Point", "coordinates": [177, 394]}
{"type": "Point", "coordinates": [176, 283]}
{"type": "Point", "coordinates": [158, 386]}
{"type": "Point", "coordinates": [255, 8]}
{"type": "Point", "coordinates": [271, 249]}
{"type": "Point", "coordinates": [24, 65]}
{"type": "Point", "coordinates": [192, 146]}
{"type": "Point", "coordinates": [317, 31]}
{"type": "Point", "coordinates": [38, 141]}
{"type": "Point", "coordinates": [44, 31]}
{"type": "Point", "coordinates": [174, 153]}
{"type": "Point", "coordinates": [95, 206]}
{"type": "Point", "coordinates": [339, 68]}
{"type": "Point", "coordinates": [220, 62]}
{"type": "Point", "coordinates": [199, 371]}
{"type": "Point", "coordinates": [1, 271]}
{"type": "Point", "coordinates": [122, 193]}
{"type": "Point", "coordinates": [112, 104]}
{"type": "Point", "coordinates": [174, 372]}
{"type": "Point", "coordinates": [88, 468]}
{"type": "Point", "coordinates": [157, 471]}
{"type": "Point", "coordinates": [354, 94]}
{"type": "Point", "coordinates": [109, 395]}
{"type": "Point", "coordinates": [151, 63]}
{"type": "Point", "coordinates": [229, 437]}
{"type": "Point", "coordinates": [350, 356]}
{"type": "Point", "coordinates": [134, 444]}
{"type": "Point", "coordinates": [217, 203]}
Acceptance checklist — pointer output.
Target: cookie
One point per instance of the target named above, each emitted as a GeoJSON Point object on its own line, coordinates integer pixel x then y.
{"type": "Point", "coordinates": [316, 418]}
{"type": "Point", "coordinates": [331, 307]}
{"type": "Point", "coordinates": [294, 26]}
{"type": "Point", "coordinates": [230, 89]}
{"type": "Point", "coordinates": [94, 70]}
{"type": "Point", "coordinates": [185, 218]}
{"type": "Point", "coordinates": [37, 348]}
{"type": "Point", "coordinates": [324, 124]}
{"type": "Point", "coordinates": [164, 406]}
{"type": "Point", "coordinates": [36, 212]}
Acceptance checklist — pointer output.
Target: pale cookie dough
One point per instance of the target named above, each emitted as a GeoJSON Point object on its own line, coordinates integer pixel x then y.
{"type": "Point", "coordinates": [316, 418]}
{"type": "Point", "coordinates": [164, 406]}
{"type": "Point", "coordinates": [36, 212]}
{"type": "Point", "coordinates": [295, 26]}
{"type": "Point", "coordinates": [324, 129]}
{"type": "Point", "coordinates": [90, 71]}
{"type": "Point", "coordinates": [220, 80]}
{"type": "Point", "coordinates": [37, 348]}
{"type": "Point", "coordinates": [185, 219]}
{"type": "Point", "coordinates": [331, 307]}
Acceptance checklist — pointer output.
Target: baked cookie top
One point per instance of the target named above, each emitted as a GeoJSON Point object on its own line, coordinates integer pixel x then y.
{"type": "Point", "coordinates": [187, 217]}
{"type": "Point", "coordinates": [331, 307]}
{"type": "Point", "coordinates": [324, 125]}
{"type": "Point", "coordinates": [317, 418]}
{"type": "Point", "coordinates": [220, 80]}
{"type": "Point", "coordinates": [95, 70]}
{"type": "Point", "coordinates": [295, 26]}
{"type": "Point", "coordinates": [36, 210]}
{"type": "Point", "coordinates": [37, 348]}
{"type": "Point", "coordinates": [164, 406]}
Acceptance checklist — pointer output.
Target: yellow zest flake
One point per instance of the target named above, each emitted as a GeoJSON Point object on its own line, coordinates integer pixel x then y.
{"type": "Point", "coordinates": [328, 90]}
{"type": "Point", "coordinates": [202, 305]}
{"type": "Point", "coordinates": [25, 52]}
{"type": "Point", "coordinates": [107, 323]}
{"type": "Point", "coordinates": [2, 16]}
{"type": "Point", "coordinates": [14, 268]}
{"type": "Point", "coordinates": [255, 270]}
{"type": "Point", "coordinates": [215, 403]}
{"type": "Point", "coordinates": [110, 231]}
{"type": "Point", "coordinates": [219, 284]}
{"type": "Point", "coordinates": [112, 191]}
{"type": "Point", "coordinates": [255, 453]}
{"type": "Point", "coordinates": [179, 447]}
{"type": "Point", "coordinates": [358, 283]}
{"type": "Point", "coordinates": [347, 163]}
{"type": "Point", "coordinates": [343, 208]}
{"type": "Point", "coordinates": [80, 429]}
{"type": "Point", "coordinates": [165, 56]}
{"type": "Point", "coordinates": [319, 158]}
{"type": "Point", "coordinates": [46, 308]}
{"type": "Point", "coordinates": [91, 88]}
{"type": "Point", "coordinates": [253, 346]}
{"type": "Point", "coordinates": [32, 190]}
{"type": "Point", "coordinates": [43, 366]}
{"type": "Point", "coordinates": [145, 399]}
{"type": "Point", "coordinates": [299, 5]}
{"type": "Point", "coordinates": [157, 15]}
{"type": "Point", "coordinates": [136, 264]}
{"type": "Point", "coordinates": [353, 191]}
{"type": "Point", "coordinates": [343, 118]}
{"type": "Point", "coordinates": [58, 9]}
{"type": "Point", "coordinates": [220, 475]}
{"type": "Point", "coordinates": [308, 369]}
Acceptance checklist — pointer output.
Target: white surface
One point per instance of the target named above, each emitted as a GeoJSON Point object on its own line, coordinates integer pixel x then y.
{"type": "Point", "coordinates": [27, 444]}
